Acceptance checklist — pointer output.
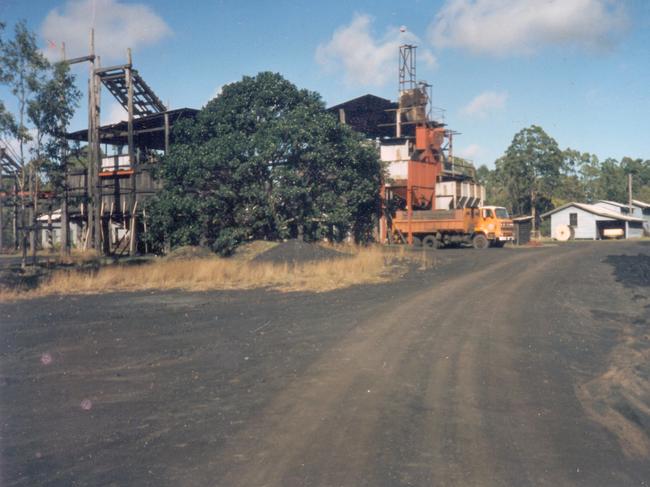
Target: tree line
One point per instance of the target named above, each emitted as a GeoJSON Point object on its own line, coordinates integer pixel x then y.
{"type": "Point", "coordinates": [534, 175]}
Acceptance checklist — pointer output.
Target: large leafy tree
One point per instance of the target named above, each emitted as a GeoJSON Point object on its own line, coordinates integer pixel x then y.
{"type": "Point", "coordinates": [530, 170]}
{"type": "Point", "coordinates": [265, 160]}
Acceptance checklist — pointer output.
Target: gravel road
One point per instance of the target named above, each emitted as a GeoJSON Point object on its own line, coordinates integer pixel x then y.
{"type": "Point", "coordinates": [504, 367]}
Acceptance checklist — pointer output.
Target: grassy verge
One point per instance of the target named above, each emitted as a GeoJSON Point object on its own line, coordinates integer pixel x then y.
{"type": "Point", "coordinates": [365, 265]}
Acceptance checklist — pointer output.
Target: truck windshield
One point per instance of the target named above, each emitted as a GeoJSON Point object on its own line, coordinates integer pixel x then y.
{"type": "Point", "coordinates": [501, 213]}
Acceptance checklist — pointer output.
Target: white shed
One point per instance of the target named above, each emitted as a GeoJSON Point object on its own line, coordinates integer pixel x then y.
{"type": "Point", "coordinates": [593, 222]}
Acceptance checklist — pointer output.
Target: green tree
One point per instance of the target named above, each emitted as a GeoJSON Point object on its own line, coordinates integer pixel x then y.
{"type": "Point", "coordinates": [23, 68]}
{"type": "Point", "coordinates": [640, 171]}
{"type": "Point", "coordinates": [50, 112]}
{"type": "Point", "coordinates": [7, 122]}
{"type": "Point", "coordinates": [265, 160]}
{"type": "Point", "coordinates": [612, 181]}
{"type": "Point", "coordinates": [530, 170]}
{"type": "Point", "coordinates": [495, 192]}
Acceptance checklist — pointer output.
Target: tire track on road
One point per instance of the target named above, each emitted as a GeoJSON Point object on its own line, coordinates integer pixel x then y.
{"type": "Point", "coordinates": [327, 424]}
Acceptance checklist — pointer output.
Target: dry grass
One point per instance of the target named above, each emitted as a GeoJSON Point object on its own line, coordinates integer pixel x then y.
{"type": "Point", "coordinates": [367, 265]}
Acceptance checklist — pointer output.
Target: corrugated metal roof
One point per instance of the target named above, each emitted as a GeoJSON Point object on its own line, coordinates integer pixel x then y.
{"type": "Point", "coordinates": [596, 210]}
{"type": "Point", "coordinates": [615, 203]}
{"type": "Point", "coordinates": [640, 204]}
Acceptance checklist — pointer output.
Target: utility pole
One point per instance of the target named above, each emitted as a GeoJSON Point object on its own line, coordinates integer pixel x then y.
{"type": "Point", "coordinates": [629, 192]}
{"type": "Point", "coordinates": [65, 226]}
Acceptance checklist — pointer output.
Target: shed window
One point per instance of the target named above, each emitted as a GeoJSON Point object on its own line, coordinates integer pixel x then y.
{"type": "Point", "coordinates": [573, 219]}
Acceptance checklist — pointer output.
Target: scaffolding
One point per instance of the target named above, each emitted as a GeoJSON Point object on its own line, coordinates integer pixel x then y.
{"type": "Point", "coordinates": [106, 196]}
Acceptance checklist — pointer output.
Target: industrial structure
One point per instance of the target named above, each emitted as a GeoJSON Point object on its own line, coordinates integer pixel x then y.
{"type": "Point", "coordinates": [101, 204]}
{"type": "Point", "coordinates": [430, 197]}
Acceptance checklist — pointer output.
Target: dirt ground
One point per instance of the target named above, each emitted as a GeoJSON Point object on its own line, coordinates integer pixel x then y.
{"type": "Point", "coordinates": [498, 367]}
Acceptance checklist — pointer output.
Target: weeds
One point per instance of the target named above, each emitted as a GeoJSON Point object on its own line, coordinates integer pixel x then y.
{"type": "Point", "coordinates": [365, 265]}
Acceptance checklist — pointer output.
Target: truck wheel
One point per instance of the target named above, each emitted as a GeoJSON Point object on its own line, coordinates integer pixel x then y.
{"type": "Point", "coordinates": [480, 241]}
{"type": "Point", "coordinates": [498, 244]}
{"type": "Point", "coordinates": [431, 242]}
{"type": "Point", "coordinates": [417, 242]}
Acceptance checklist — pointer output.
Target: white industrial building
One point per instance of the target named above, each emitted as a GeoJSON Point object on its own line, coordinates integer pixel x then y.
{"type": "Point", "coordinates": [604, 219]}
{"type": "Point", "coordinates": [50, 229]}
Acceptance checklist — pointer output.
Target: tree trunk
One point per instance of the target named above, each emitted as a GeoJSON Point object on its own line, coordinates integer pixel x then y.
{"type": "Point", "coordinates": [533, 210]}
{"type": "Point", "coordinates": [34, 221]}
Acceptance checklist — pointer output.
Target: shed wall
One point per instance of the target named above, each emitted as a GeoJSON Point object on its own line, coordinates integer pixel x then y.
{"type": "Point", "coordinates": [634, 230]}
{"type": "Point", "coordinates": [586, 228]}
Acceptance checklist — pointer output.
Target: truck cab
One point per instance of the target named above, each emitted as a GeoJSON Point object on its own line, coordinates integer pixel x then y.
{"type": "Point", "coordinates": [495, 223]}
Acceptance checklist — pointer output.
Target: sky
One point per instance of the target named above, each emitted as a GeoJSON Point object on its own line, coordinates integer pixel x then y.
{"type": "Point", "coordinates": [577, 68]}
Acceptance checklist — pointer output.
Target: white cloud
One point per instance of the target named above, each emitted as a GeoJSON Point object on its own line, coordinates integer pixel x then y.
{"type": "Point", "coordinates": [117, 26]}
{"type": "Point", "coordinates": [503, 27]}
{"type": "Point", "coordinates": [219, 90]}
{"type": "Point", "coordinates": [481, 105]}
{"type": "Point", "coordinates": [364, 59]}
{"type": "Point", "coordinates": [470, 152]}
{"type": "Point", "coordinates": [116, 113]}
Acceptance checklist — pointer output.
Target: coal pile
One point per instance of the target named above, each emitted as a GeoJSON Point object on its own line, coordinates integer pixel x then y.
{"type": "Point", "coordinates": [189, 252]}
{"type": "Point", "coordinates": [296, 252]}
{"type": "Point", "coordinates": [631, 270]}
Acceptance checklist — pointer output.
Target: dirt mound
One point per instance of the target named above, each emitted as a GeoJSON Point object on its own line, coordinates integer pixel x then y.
{"type": "Point", "coordinates": [187, 252]}
{"type": "Point", "coordinates": [631, 270]}
{"type": "Point", "coordinates": [297, 251]}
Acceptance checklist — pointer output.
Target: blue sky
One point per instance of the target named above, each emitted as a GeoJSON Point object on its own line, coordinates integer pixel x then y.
{"type": "Point", "coordinates": [578, 68]}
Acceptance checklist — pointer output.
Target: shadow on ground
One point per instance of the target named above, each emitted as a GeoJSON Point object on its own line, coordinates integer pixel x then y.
{"type": "Point", "coordinates": [631, 270]}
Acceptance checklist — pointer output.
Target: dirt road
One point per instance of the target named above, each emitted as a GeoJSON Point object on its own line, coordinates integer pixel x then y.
{"type": "Point", "coordinates": [503, 367]}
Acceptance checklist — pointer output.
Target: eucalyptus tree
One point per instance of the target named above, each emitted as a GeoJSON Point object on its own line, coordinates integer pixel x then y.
{"type": "Point", "coordinates": [530, 170]}
{"type": "Point", "coordinates": [50, 112]}
{"type": "Point", "coordinates": [23, 70]}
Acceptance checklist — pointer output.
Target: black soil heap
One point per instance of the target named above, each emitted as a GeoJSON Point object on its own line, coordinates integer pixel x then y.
{"type": "Point", "coordinates": [297, 251]}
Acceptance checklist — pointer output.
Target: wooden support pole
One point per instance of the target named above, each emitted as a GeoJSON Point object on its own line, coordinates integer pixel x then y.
{"type": "Point", "coordinates": [98, 163]}
{"type": "Point", "coordinates": [629, 193]}
{"type": "Point", "coordinates": [398, 123]}
{"type": "Point", "coordinates": [65, 224]}
{"type": "Point", "coordinates": [31, 218]}
{"type": "Point", "coordinates": [409, 202]}
{"type": "Point", "coordinates": [50, 228]}
{"type": "Point", "coordinates": [34, 222]}
{"type": "Point", "coordinates": [144, 223]}
{"type": "Point", "coordinates": [133, 241]}
{"type": "Point", "coordinates": [15, 216]}
{"type": "Point", "coordinates": [166, 119]}
{"type": "Point", "coordinates": [2, 210]}
{"type": "Point", "coordinates": [90, 179]}
{"type": "Point", "coordinates": [129, 86]}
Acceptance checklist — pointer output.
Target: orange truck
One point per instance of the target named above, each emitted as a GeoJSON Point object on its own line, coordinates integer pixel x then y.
{"type": "Point", "coordinates": [483, 227]}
